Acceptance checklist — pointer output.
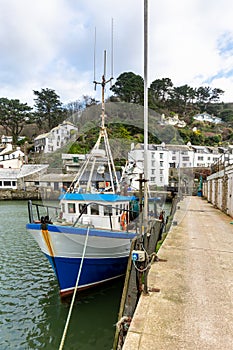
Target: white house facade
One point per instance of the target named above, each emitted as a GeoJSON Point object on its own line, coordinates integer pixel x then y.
{"type": "Point", "coordinates": [56, 138]}
{"type": "Point", "coordinates": [158, 162]}
{"type": "Point", "coordinates": [205, 117]}
{"type": "Point", "coordinates": [8, 178]}
{"type": "Point", "coordinates": [11, 159]}
{"type": "Point", "coordinates": [162, 158]}
{"type": "Point", "coordinates": [205, 156]}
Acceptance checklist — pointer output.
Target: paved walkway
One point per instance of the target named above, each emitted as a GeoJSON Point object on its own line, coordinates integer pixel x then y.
{"type": "Point", "coordinates": [194, 308]}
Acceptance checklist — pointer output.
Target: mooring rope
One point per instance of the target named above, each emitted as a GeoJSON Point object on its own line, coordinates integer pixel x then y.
{"type": "Point", "coordinates": [74, 294]}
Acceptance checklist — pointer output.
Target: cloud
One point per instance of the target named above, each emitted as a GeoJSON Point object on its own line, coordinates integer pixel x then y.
{"type": "Point", "coordinates": [50, 44]}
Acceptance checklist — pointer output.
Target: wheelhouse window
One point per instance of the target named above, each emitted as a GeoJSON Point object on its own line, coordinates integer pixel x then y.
{"type": "Point", "coordinates": [116, 209]}
{"type": "Point", "coordinates": [94, 209]}
{"type": "Point", "coordinates": [71, 208]}
{"type": "Point", "coordinates": [83, 208]}
{"type": "Point", "coordinates": [108, 210]}
{"type": "Point", "coordinates": [121, 208]}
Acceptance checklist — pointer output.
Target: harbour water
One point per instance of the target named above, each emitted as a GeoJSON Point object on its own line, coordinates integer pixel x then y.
{"type": "Point", "coordinates": [32, 315]}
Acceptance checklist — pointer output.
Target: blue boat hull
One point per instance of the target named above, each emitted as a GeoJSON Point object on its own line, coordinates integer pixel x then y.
{"type": "Point", "coordinates": [94, 272]}
{"type": "Point", "coordinates": [105, 258]}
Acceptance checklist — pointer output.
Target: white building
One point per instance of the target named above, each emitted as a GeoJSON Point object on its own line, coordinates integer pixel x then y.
{"type": "Point", "coordinates": [174, 121]}
{"type": "Point", "coordinates": [56, 138]}
{"type": "Point", "coordinates": [162, 158]}
{"type": "Point", "coordinates": [9, 139]}
{"type": "Point", "coordinates": [158, 162]}
{"type": "Point", "coordinates": [205, 156]}
{"type": "Point", "coordinates": [205, 117]}
{"type": "Point", "coordinates": [72, 162]}
{"type": "Point", "coordinates": [8, 178]}
{"type": "Point", "coordinates": [180, 156]}
{"type": "Point", "coordinates": [11, 159]}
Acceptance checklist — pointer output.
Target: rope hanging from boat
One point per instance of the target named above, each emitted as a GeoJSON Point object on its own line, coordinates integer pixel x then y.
{"type": "Point", "coordinates": [74, 294]}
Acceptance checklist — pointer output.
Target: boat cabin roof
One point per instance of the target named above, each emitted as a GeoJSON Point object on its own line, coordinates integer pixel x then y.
{"type": "Point", "coordinates": [96, 197]}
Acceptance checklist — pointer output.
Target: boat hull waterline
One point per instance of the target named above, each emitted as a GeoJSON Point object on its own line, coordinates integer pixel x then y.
{"type": "Point", "coordinates": [106, 254]}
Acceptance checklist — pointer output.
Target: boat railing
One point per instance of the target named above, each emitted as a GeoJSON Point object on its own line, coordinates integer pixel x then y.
{"type": "Point", "coordinates": [36, 211]}
{"type": "Point", "coordinates": [46, 211]}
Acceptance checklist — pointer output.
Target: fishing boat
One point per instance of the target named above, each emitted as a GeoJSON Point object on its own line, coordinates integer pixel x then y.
{"type": "Point", "coordinates": [89, 241]}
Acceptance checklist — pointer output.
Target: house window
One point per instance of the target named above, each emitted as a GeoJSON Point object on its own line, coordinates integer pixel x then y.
{"type": "Point", "coordinates": [152, 179]}
{"type": "Point", "coordinates": [152, 171]}
{"type": "Point", "coordinates": [153, 163]}
{"type": "Point", "coordinates": [161, 179]}
{"type": "Point", "coordinates": [161, 163]}
{"type": "Point", "coordinates": [13, 183]}
{"type": "Point", "coordinates": [36, 183]}
{"type": "Point", "coordinates": [161, 171]}
{"type": "Point", "coordinates": [200, 158]}
{"type": "Point", "coordinates": [7, 183]}
{"type": "Point", "coordinates": [71, 208]}
{"type": "Point", "coordinates": [185, 159]}
{"type": "Point", "coordinates": [161, 155]}
{"type": "Point", "coordinates": [0, 183]}
{"type": "Point", "coordinates": [152, 155]}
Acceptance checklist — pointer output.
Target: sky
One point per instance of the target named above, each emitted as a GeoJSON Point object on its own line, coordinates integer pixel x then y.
{"type": "Point", "coordinates": [50, 44]}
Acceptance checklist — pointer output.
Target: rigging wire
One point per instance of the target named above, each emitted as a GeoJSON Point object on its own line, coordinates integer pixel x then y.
{"type": "Point", "coordinates": [74, 294]}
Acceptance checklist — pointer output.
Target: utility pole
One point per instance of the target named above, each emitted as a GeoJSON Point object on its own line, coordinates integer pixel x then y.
{"type": "Point", "coordinates": [145, 114]}
{"type": "Point", "coordinates": [145, 216]}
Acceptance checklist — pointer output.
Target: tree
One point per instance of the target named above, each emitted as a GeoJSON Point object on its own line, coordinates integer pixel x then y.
{"type": "Point", "coordinates": [227, 115]}
{"type": "Point", "coordinates": [129, 87]}
{"type": "Point", "coordinates": [160, 88]}
{"type": "Point", "coordinates": [181, 97]}
{"type": "Point", "coordinates": [13, 116]}
{"type": "Point", "coordinates": [215, 95]}
{"type": "Point", "coordinates": [48, 108]}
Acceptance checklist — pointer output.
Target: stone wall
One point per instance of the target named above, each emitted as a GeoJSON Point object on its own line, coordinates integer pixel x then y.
{"type": "Point", "coordinates": [19, 195]}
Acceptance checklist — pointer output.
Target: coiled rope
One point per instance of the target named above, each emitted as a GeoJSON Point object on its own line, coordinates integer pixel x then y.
{"type": "Point", "coordinates": [74, 294]}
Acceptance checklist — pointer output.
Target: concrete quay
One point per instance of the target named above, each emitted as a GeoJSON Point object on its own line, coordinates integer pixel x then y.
{"type": "Point", "coordinates": [194, 308]}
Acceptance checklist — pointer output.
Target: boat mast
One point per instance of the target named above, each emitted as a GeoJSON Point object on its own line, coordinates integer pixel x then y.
{"type": "Point", "coordinates": [103, 131]}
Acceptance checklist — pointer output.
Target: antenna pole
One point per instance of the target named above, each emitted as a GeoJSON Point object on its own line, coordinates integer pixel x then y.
{"type": "Point", "coordinates": [103, 88]}
{"type": "Point", "coordinates": [112, 55]}
{"type": "Point", "coordinates": [94, 59]}
{"type": "Point", "coordinates": [105, 63]}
